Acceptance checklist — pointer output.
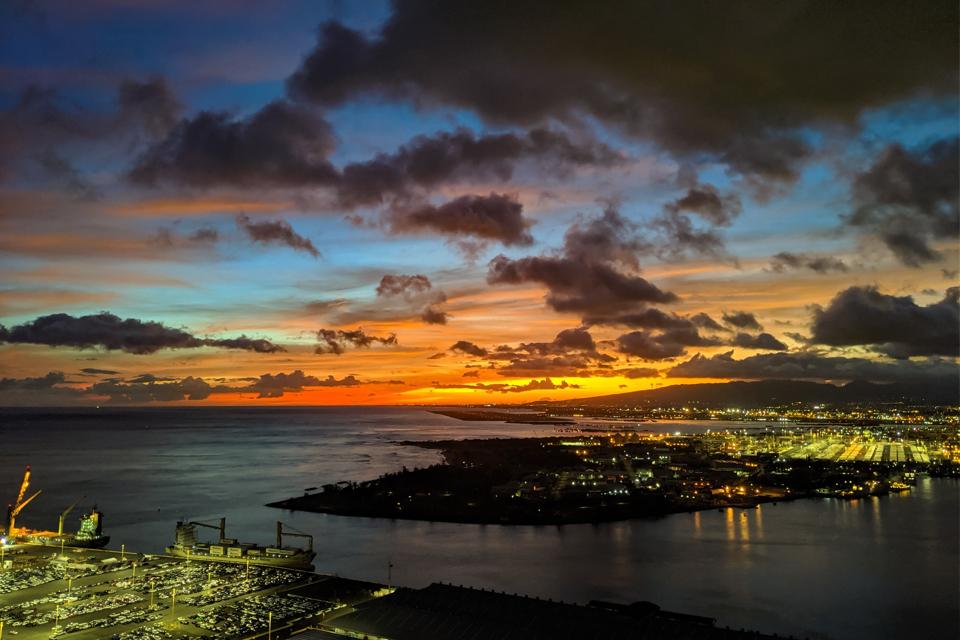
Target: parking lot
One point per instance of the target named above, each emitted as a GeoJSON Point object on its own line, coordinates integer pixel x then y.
{"type": "Point", "coordinates": [84, 594]}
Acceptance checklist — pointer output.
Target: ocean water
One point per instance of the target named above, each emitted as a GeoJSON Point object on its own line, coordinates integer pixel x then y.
{"type": "Point", "coordinates": [879, 568]}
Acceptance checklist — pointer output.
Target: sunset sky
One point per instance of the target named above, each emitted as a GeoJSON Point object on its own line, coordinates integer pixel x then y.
{"type": "Point", "coordinates": [418, 202]}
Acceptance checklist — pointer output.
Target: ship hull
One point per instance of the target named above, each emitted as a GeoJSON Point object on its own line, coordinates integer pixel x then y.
{"type": "Point", "coordinates": [299, 561]}
{"type": "Point", "coordinates": [92, 543]}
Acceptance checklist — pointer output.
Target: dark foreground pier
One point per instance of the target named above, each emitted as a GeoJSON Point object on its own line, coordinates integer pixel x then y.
{"type": "Point", "coordinates": [84, 594]}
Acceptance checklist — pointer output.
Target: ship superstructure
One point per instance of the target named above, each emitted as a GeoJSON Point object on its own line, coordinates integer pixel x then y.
{"type": "Point", "coordinates": [187, 545]}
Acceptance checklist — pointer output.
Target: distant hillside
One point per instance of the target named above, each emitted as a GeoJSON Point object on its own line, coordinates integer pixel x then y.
{"type": "Point", "coordinates": [770, 392]}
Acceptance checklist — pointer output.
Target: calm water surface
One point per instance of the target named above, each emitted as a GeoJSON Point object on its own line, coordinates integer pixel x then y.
{"type": "Point", "coordinates": [879, 568]}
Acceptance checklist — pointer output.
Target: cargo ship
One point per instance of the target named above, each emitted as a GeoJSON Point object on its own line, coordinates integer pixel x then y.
{"type": "Point", "coordinates": [90, 534]}
{"type": "Point", "coordinates": [227, 549]}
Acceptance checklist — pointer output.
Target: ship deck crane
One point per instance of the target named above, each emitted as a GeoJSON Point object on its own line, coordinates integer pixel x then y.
{"type": "Point", "coordinates": [296, 534]}
{"type": "Point", "coordinates": [13, 510]}
{"type": "Point", "coordinates": [64, 514]}
{"type": "Point", "coordinates": [222, 527]}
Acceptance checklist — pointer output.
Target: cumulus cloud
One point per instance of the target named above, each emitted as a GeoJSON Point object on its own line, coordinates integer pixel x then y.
{"type": "Point", "coordinates": [107, 331]}
{"type": "Point", "coordinates": [286, 144]}
{"type": "Point", "coordinates": [680, 236]}
{"type": "Point", "coordinates": [403, 285]}
{"type": "Point", "coordinates": [594, 272]}
{"type": "Point", "coordinates": [811, 366]}
{"type": "Point", "coordinates": [894, 325]}
{"type": "Point", "coordinates": [495, 216]}
{"type": "Point", "coordinates": [641, 67]}
{"type": "Point", "coordinates": [742, 320]}
{"type": "Point", "coordinates": [275, 385]}
{"type": "Point", "coordinates": [148, 388]}
{"type": "Point", "coordinates": [416, 290]}
{"type": "Point", "coordinates": [48, 389]}
{"type": "Point", "coordinates": [432, 315]}
{"type": "Point", "coordinates": [787, 261]}
{"type": "Point", "coordinates": [661, 346]}
{"type": "Point", "coordinates": [282, 144]}
{"type": "Point", "coordinates": [41, 119]}
{"type": "Point", "coordinates": [337, 341]}
{"type": "Point", "coordinates": [468, 348]}
{"type": "Point", "coordinates": [427, 162]}
{"type": "Point", "coordinates": [763, 341]}
{"type": "Point", "coordinates": [534, 385]}
{"type": "Point", "coordinates": [32, 384]}
{"type": "Point", "coordinates": [909, 198]}
{"type": "Point", "coordinates": [276, 232]}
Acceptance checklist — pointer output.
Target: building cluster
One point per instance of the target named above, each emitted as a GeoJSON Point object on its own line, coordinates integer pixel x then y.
{"type": "Point", "coordinates": [741, 466]}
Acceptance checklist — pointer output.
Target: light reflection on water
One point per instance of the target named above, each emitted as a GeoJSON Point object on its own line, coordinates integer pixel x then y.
{"type": "Point", "coordinates": [871, 568]}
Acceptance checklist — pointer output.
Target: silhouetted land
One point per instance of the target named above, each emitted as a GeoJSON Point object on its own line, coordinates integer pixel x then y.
{"type": "Point", "coordinates": [595, 479]}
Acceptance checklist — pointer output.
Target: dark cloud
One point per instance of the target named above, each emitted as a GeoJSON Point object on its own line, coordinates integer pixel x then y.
{"type": "Point", "coordinates": [107, 331]}
{"type": "Point", "coordinates": [427, 162]}
{"type": "Point", "coordinates": [786, 261]}
{"type": "Point", "coordinates": [759, 341]}
{"type": "Point", "coordinates": [337, 341]}
{"type": "Point", "coordinates": [275, 385]}
{"type": "Point", "coordinates": [33, 384]}
{"type": "Point", "coordinates": [742, 320]}
{"type": "Point", "coordinates": [95, 372]}
{"type": "Point", "coordinates": [704, 321]}
{"type": "Point", "coordinates": [911, 198]}
{"type": "Point", "coordinates": [396, 285]}
{"type": "Point", "coordinates": [281, 145]}
{"type": "Point", "coordinates": [47, 390]}
{"type": "Point", "coordinates": [893, 325]}
{"type": "Point", "coordinates": [42, 119]}
{"type": "Point", "coordinates": [151, 104]}
{"type": "Point", "coordinates": [462, 346]}
{"type": "Point", "coordinates": [151, 390]}
{"type": "Point", "coordinates": [432, 315]}
{"type": "Point", "coordinates": [682, 238]}
{"type": "Point", "coordinates": [811, 366]}
{"type": "Point", "coordinates": [493, 217]}
{"type": "Point", "coordinates": [649, 319]}
{"type": "Point", "coordinates": [594, 273]}
{"type": "Point", "coordinates": [276, 232]}
{"type": "Point", "coordinates": [288, 145]}
{"type": "Point", "coordinates": [534, 385]}
{"type": "Point", "coordinates": [662, 346]}
{"type": "Point", "coordinates": [573, 352]}
{"type": "Point", "coordinates": [707, 202]}
{"type": "Point", "coordinates": [642, 67]}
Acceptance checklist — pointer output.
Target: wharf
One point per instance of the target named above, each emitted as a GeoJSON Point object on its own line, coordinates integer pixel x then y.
{"type": "Point", "coordinates": [86, 594]}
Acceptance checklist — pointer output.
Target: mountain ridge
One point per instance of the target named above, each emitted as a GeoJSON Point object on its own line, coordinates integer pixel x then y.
{"type": "Point", "coordinates": [771, 392]}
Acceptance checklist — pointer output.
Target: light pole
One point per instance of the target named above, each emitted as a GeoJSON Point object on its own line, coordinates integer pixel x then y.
{"type": "Point", "coordinates": [173, 607]}
{"type": "Point", "coordinates": [123, 552]}
{"type": "Point", "coordinates": [151, 593]}
{"type": "Point", "coordinates": [269, 625]}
